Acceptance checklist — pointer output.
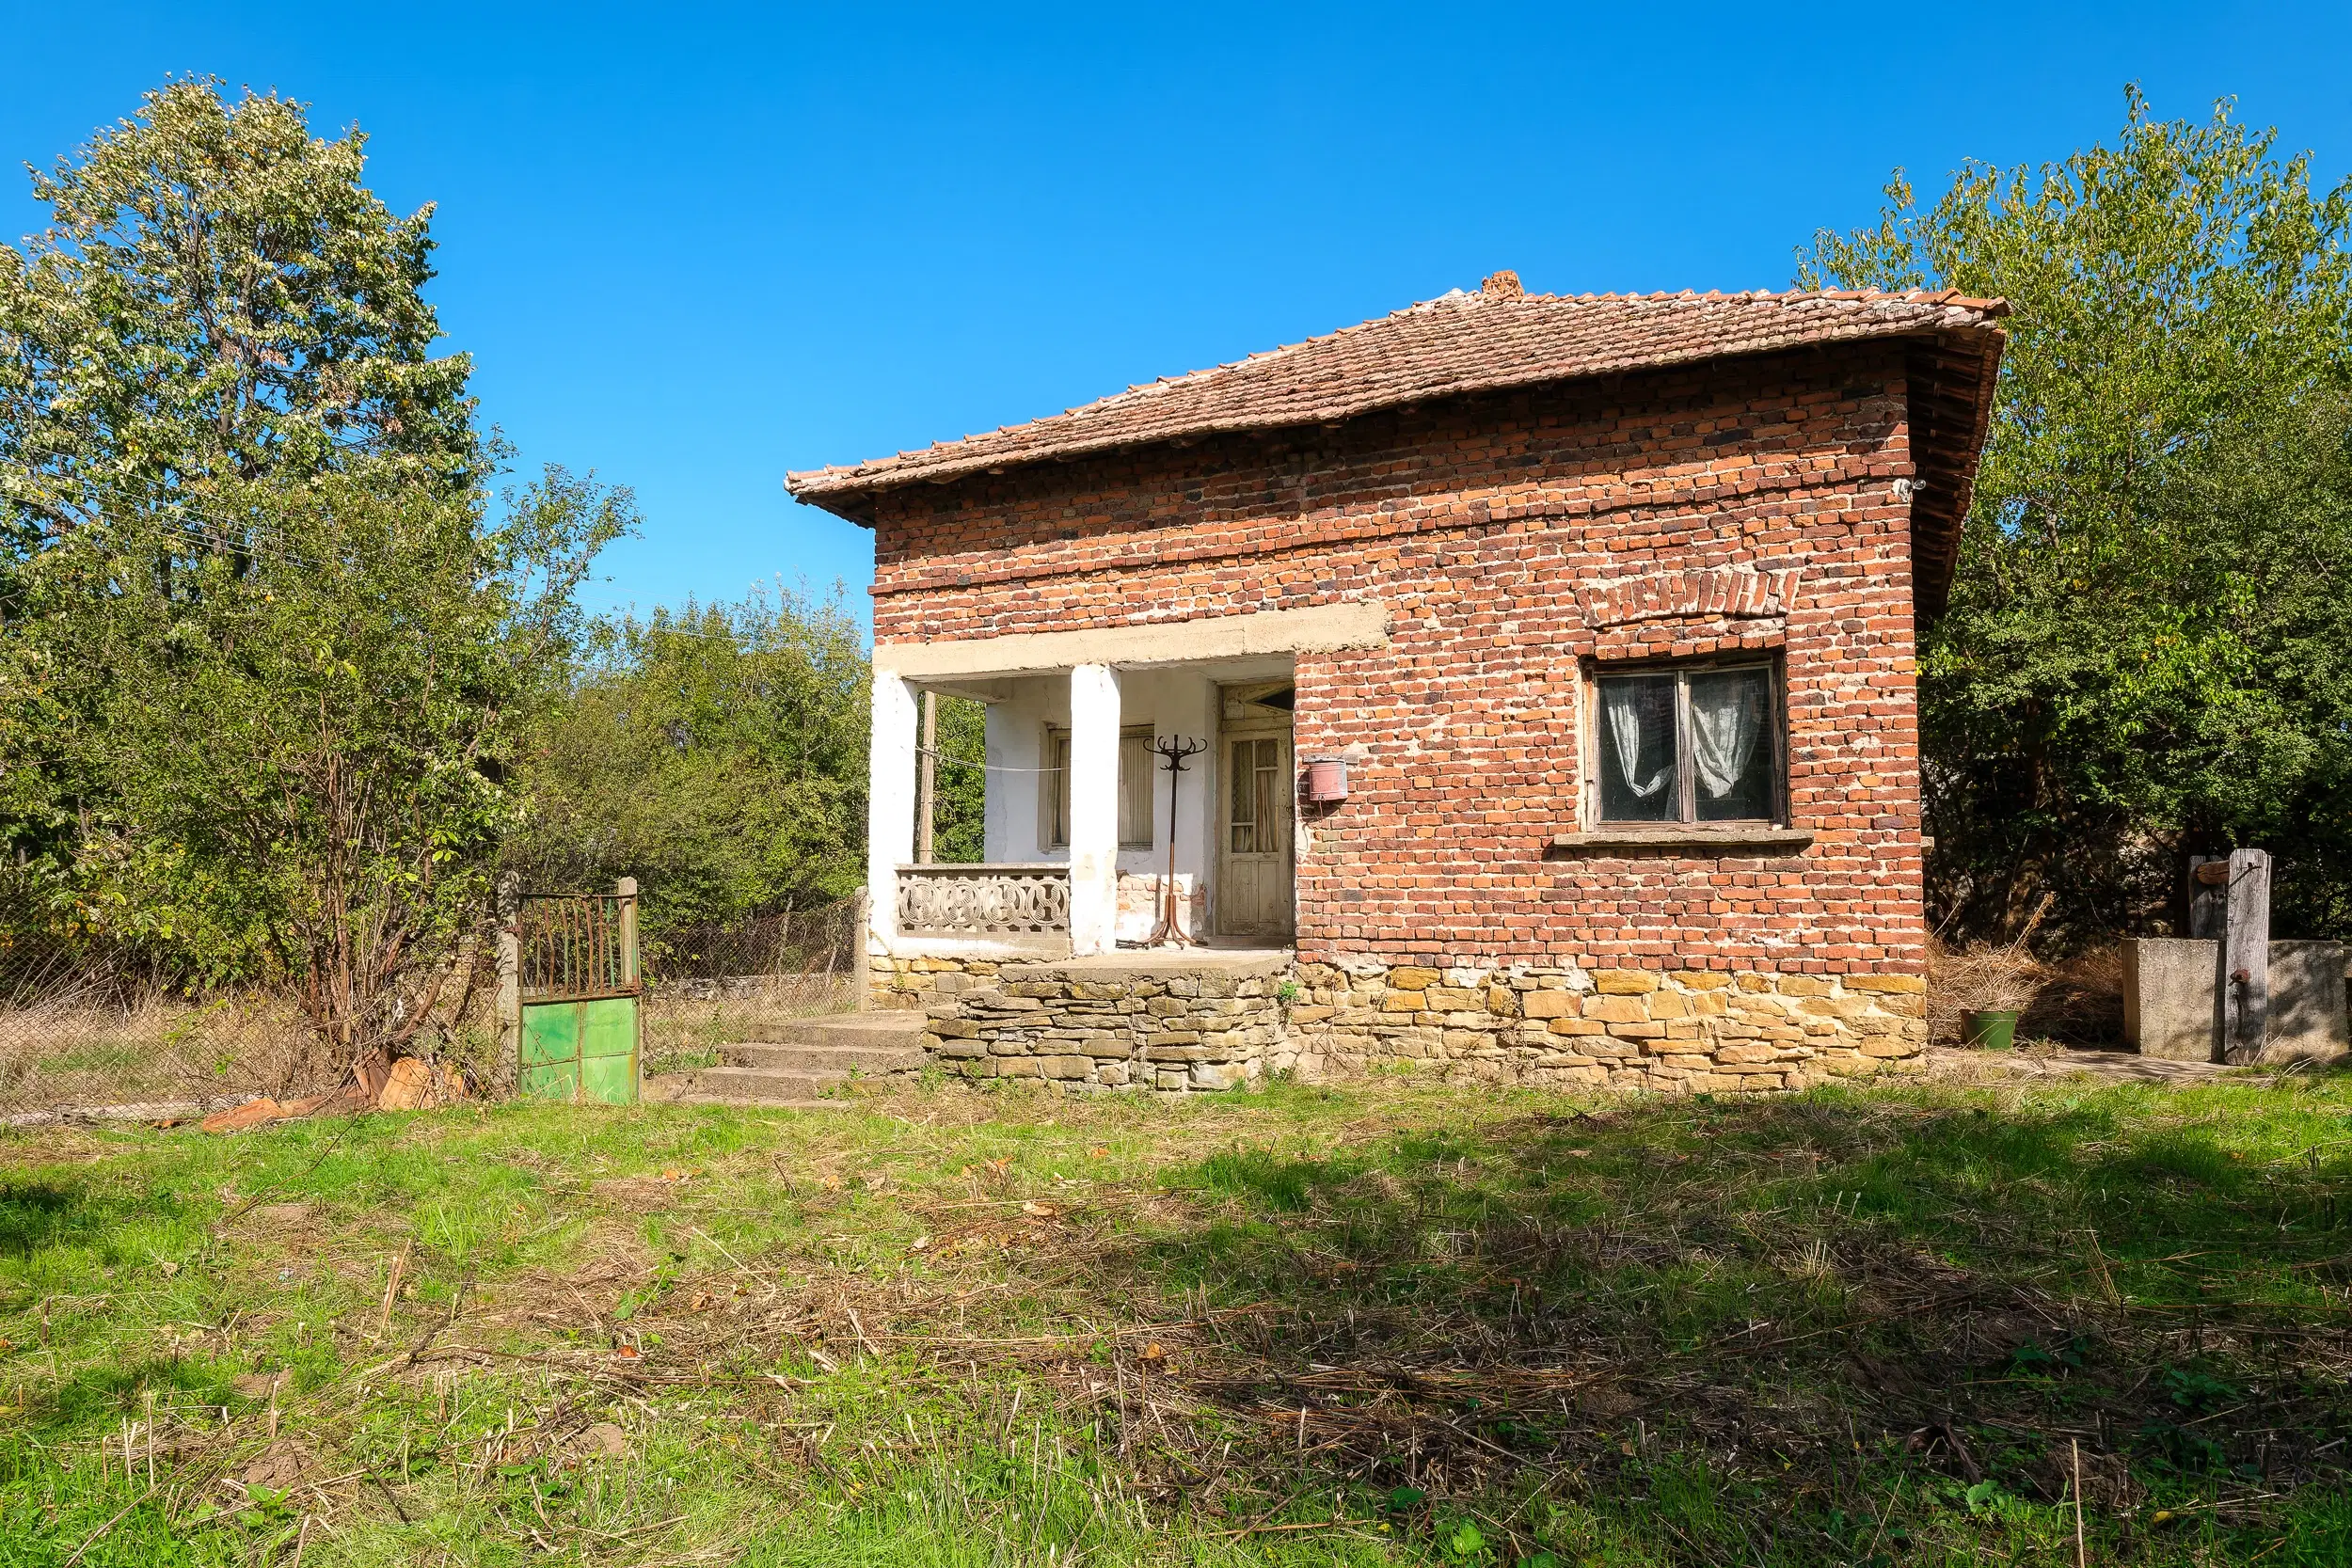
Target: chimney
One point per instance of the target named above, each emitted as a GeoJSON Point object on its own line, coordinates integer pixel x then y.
{"type": "Point", "coordinates": [1503, 285]}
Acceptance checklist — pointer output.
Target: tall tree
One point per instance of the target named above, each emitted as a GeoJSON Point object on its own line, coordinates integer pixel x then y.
{"type": "Point", "coordinates": [217, 297]}
{"type": "Point", "coordinates": [2147, 650]}
{"type": "Point", "coordinates": [217, 304]}
{"type": "Point", "coordinates": [266, 646]}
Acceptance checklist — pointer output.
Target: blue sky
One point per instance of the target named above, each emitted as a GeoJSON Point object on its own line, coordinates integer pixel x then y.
{"type": "Point", "coordinates": [693, 246]}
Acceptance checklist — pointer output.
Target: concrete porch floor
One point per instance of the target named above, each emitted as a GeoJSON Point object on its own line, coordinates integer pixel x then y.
{"type": "Point", "coordinates": [1183, 960]}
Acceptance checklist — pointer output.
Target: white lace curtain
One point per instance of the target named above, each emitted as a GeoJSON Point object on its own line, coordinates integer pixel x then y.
{"type": "Point", "coordinates": [1727, 716]}
{"type": "Point", "coordinates": [1622, 703]}
{"type": "Point", "coordinates": [1727, 721]}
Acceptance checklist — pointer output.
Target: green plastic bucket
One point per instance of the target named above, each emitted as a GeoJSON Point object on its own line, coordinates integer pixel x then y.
{"type": "Point", "coordinates": [1990, 1031]}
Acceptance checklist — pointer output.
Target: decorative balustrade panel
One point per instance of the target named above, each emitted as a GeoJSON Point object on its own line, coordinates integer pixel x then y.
{"type": "Point", "coordinates": [983, 900]}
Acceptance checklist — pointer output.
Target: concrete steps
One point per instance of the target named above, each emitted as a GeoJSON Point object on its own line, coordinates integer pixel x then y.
{"type": "Point", "coordinates": [808, 1069]}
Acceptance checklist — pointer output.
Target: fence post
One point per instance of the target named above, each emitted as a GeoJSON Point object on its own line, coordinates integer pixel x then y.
{"type": "Point", "coordinates": [510, 1001]}
{"type": "Point", "coordinates": [858, 946]}
{"type": "Point", "coordinates": [632, 973]}
{"type": "Point", "coordinates": [627, 888]}
{"type": "Point", "coordinates": [2242, 971]}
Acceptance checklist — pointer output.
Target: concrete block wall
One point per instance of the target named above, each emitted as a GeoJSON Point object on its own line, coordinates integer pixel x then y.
{"type": "Point", "coordinates": [2168, 999]}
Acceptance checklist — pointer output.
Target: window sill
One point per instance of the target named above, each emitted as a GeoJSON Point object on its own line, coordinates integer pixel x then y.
{"type": "Point", "coordinates": [1722, 841]}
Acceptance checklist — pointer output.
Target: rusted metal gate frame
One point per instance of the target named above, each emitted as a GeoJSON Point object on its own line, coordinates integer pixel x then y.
{"type": "Point", "coordinates": [577, 952]}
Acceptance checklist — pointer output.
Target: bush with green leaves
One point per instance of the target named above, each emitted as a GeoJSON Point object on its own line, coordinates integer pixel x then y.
{"type": "Point", "coordinates": [714, 752]}
{"type": "Point", "coordinates": [266, 644]}
{"type": "Point", "coordinates": [298, 759]}
{"type": "Point", "coordinates": [2148, 652]}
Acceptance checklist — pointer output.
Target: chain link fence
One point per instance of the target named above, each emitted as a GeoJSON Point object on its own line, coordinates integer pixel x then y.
{"type": "Point", "coordinates": [83, 1030]}
{"type": "Point", "coordinates": [711, 986]}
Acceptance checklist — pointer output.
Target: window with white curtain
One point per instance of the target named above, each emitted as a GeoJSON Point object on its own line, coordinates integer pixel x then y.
{"type": "Point", "coordinates": [1135, 787]}
{"type": "Point", "coordinates": [1688, 743]}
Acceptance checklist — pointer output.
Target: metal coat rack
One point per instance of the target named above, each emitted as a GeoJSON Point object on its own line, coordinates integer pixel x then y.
{"type": "Point", "coordinates": [1171, 929]}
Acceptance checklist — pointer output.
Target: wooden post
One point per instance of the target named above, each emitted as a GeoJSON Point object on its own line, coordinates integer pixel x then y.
{"type": "Point", "coordinates": [2208, 896]}
{"type": "Point", "coordinates": [510, 999]}
{"type": "Point", "coordinates": [926, 780]}
{"type": "Point", "coordinates": [627, 890]}
{"type": "Point", "coordinates": [2242, 978]}
{"type": "Point", "coordinates": [631, 974]}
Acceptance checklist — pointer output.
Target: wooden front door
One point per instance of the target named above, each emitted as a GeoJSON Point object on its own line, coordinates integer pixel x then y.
{"type": "Point", "coordinates": [1254, 861]}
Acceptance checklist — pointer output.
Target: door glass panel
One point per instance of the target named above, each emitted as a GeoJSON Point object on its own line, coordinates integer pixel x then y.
{"type": "Point", "coordinates": [1272, 818]}
{"type": "Point", "coordinates": [1245, 819]}
{"type": "Point", "coordinates": [1637, 749]}
{"type": "Point", "coordinates": [1731, 747]}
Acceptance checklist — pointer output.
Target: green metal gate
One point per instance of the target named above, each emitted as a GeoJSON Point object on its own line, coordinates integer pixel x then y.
{"type": "Point", "coordinates": [579, 988]}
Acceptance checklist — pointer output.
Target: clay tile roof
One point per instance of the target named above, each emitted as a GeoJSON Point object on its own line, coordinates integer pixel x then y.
{"type": "Point", "coordinates": [1461, 342]}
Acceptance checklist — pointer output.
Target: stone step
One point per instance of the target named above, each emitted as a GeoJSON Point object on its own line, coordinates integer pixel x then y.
{"type": "Point", "coordinates": [866, 1061]}
{"type": "Point", "coordinates": [748, 1084]}
{"type": "Point", "coordinates": [870, 1029]}
{"type": "Point", "coordinates": [690, 1097]}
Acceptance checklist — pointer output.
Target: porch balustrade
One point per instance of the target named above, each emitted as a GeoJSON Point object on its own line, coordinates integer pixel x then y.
{"type": "Point", "coordinates": [965, 900]}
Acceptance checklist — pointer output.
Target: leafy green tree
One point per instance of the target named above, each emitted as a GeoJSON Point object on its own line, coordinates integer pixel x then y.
{"type": "Point", "coordinates": [308, 746]}
{"type": "Point", "coordinates": [218, 298]}
{"type": "Point", "coordinates": [2148, 651]}
{"type": "Point", "coordinates": [265, 650]}
{"type": "Point", "coordinates": [217, 304]}
{"type": "Point", "coordinates": [716, 753]}
{"type": "Point", "coordinates": [959, 782]}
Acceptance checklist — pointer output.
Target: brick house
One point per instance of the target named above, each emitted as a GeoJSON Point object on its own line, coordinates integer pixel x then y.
{"type": "Point", "coordinates": [1553, 663]}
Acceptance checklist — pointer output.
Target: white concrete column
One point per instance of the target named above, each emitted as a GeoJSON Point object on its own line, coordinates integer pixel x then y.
{"type": "Point", "coordinates": [1093, 809]}
{"type": "Point", "coordinates": [889, 807]}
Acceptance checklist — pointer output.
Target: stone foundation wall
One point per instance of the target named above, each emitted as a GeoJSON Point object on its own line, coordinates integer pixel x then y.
{"type": "Point", "coordinates": [1176, 1029]}
{"type": "Point", "coordinates": [1682, 1031]}
{"type": "Point", "coordinates": [1093, 1026]}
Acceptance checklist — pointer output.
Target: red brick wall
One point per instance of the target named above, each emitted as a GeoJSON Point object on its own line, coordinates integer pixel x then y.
{"type": "Point", "coordinates": [1486, 527]}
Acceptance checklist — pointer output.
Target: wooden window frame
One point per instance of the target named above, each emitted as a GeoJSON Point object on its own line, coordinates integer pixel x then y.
{"type": "Point", "coordinates": [1686, 819]}
{"type": "Point", "coordinates": [1051, 809]}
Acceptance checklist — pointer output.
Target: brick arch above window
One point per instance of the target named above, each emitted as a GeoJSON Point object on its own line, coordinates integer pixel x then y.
{"type": "Point", "coordinates": [1714, 594]}
{"type": "Point", "coordinates": [1694, 637]}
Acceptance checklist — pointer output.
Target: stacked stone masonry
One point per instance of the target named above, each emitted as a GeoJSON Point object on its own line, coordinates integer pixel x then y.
{"type": "Point", "coordinates": [1682, 1031]}
{"type": "Point", "coordinates": [1689, 1031]}
{"type": "Point", "coordinates": [1091, 1027]}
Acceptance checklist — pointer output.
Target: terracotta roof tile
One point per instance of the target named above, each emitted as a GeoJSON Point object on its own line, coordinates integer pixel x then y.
{"type": "Point", "coordinates": [1459, 343]}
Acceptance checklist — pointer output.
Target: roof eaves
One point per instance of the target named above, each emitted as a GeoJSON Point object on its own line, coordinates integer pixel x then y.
{"type": "Point", "coordinates": [939, 462]}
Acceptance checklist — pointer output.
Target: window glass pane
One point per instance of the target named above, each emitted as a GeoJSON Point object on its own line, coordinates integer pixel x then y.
{"type": "Point", "coordinates": [1731, 745]}
{"type": "Point", "coordinates": [1637, 749]}
{"type": "Point", "coordinates": [1136, 761]}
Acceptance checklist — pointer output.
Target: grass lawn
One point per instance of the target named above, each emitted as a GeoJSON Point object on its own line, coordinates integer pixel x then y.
{"type": "Point", "coordinates": [1383, 1323]}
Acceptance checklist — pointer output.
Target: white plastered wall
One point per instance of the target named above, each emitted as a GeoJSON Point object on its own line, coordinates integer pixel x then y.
{"type": "Point", "coordinates": [1175, 703]}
